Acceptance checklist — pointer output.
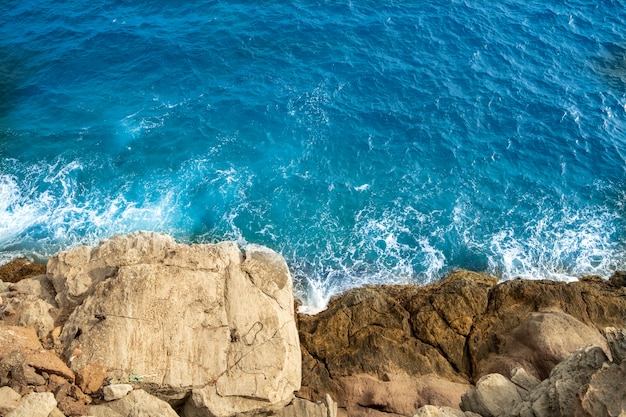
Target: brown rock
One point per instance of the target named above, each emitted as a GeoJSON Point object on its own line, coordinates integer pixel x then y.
{"type": "Point", "coordinates": [19, 269]}
{"type": "Point", "coordinates": [25, 341]}
{"type": "Point", "coordinates": [90, 378]}
{"type": "Point", "coordinates": [455, 330]}
{"type": "Point", "coordinates": [72, 407]}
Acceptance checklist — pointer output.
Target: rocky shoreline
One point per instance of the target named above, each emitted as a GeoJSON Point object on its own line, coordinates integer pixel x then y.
{"type": "Point", "coordinates": [143, 326]}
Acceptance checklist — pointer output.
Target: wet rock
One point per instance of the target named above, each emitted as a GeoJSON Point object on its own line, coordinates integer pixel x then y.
{"type": "Point", "coordinates": [19, 269]}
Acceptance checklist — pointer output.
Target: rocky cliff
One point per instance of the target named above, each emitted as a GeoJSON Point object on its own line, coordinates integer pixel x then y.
{"type": "Point", "coordinates": [141, 325]}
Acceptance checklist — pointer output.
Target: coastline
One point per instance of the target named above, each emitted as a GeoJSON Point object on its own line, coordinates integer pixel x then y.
{"type": "Point", "coordinates": [376, 350]}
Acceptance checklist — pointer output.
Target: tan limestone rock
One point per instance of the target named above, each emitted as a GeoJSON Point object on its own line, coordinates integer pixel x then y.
{"type": "Point", "coordinates": [138, 403]}
{"type": "Point", "coordinates": [34, 405]}
{"type": "Point", "coordinates": [9, 400]}
{"type": "Point", "coordinates": [173, 318]}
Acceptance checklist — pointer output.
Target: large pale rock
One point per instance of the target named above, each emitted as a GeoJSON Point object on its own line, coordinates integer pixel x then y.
{"type": "Point", "coordinates": [31, 303]}
{"type": "Point", "coordinates": [9, 399]}
{"type": "Point", "coordinates": [136, 404]}
{"type": "Point", "coordinates": [494, 396]}
{"type": "Point", "coordinates": [34, 405]}
{"type": "Point", "coordinates": [116, 391]}
{"type": "Point", "coordinates": [174, 318]}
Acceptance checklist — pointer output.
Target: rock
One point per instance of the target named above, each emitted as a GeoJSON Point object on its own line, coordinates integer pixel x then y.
{"type": "Point", "coordinates": [34, 405]}
{"type": "Point", "coordinates": [438, 411]}
{"type": "Point", "coordinates": [72, 407]}
{"type": "Point", "coordinates": [116, 391]}
{"type": "Point", "coordinates": [524, 381]}
{"type": "Point", "coordinates": [540, 342]}
{"type": "Point", "coordinates": [494, 396]}
{"type": "Point", "coordinates": [304, 408]}
{"type": "Point", "coordinates": [170, 318]}
{"type": "Point", "coordinates": [19, 269]}
{"type": "Point", "coordinates": [136, 404]}
{"type": "Point", "coordinates": [456, 330]}
{"type": "Point", "coordinates": [592, 301]}
{"type": "Point", "coordinates": [56, 413]}
{"type": "Point", "coordinates": [399, 396]}
{"type": "Point", "coordinates": [25, 341]}
{"type": "Point", "coordinates": [90, 378]}
{"type": "Point", "coordinates": [366, 337]}
{"type": "Point", "coordinates": [557, 395]}
{"type": "Point", "coordinates": [9, 400]}
{"type": "Point", "coordinates": [605, 394]}
{"type": "Point", "coordinates": [30, 303]}
{"type": "Point", "coordinates": [616, 340]}
{"type": "Point", "coordinates": [618, 279]}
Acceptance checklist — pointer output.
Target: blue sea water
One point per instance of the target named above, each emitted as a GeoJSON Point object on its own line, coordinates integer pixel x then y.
{"type": "Point", "coordinates": [366, 141]}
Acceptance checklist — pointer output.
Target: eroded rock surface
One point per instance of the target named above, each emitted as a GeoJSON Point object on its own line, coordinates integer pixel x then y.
{"type": "Point", "coordinates": [375, 348]}
{"type": "Point", "coordinates": [175, 318]}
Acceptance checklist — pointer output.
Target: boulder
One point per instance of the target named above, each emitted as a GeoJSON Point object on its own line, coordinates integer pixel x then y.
{"type": "Point", "coordinates": [494, 396]}
{"type": "Point", "coordinates": [138, 403]}
{"type": "Point", "coordinates": [30, 303]}
{"type": "Point", "coordinates": [616, 340]}
{"type": "Point", "coordinates": [116, 391]}
{"type": "Point", "coordinates": [34, 405]}
{"type": "Point", "coordinates": [439, 411]}
{"type": "Point", "coordinates": [558, 395]}
{"type": "Point", "coordinates": [90, 378]}
{"type": "Point", "coordinates": [541, 341]}
{"type": "Point", "coordinates": [399, 396]}
{"type": "Point", "coordinates": [174, 318]}
{"type": "Point", "coordinates": [9, 399]}
{"type": "Point", "coordinates": [304, 408]}
{"type": "Point", "coordinates": [605, 394]}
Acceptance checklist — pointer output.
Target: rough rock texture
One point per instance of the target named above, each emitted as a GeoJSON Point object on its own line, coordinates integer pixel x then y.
{"type": "Point", "coordinates": [90, 378]}
{"type": "Point", "coordinates": [9, 399]}
{"type": "Point", "coordinates": [439, 411]}
{"type": "Point", "coordinates": [304, 408]}
{"type": "Point", "coordinates": [19, 269]}
{"type": "Point", "coordinates": [23, 345]}
{"type": "Point", "coordinates": [540, 342]}
{"type": "Point", "coordinates": [137, 403]}
{"type": "Point", "coordinates": [494, 396]}
{"type": "Point", "coordinates": [174, 318]}
{"type": "Point", "coordinates": [34, 405]}
{"type": "Point", "coordinates": [374, 346]}
{"type": "Point", "coordinates": [116, 391]}
{"type": "Point", "coordinates": [29, 303]}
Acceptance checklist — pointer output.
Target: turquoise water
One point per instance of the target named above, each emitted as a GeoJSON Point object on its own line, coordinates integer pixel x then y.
{"type": "Point", "coordinates": [368, 142]}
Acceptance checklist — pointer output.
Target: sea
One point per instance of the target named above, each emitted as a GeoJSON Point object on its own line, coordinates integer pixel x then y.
{"type": "Point", "coordinates": [366, 141]}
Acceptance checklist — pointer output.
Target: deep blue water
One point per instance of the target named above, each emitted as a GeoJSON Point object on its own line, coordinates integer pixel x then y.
{"type": "Point", "coordinates": [368, 142]}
